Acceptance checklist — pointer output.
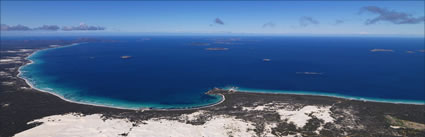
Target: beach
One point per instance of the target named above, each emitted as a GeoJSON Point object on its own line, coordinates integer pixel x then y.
{"type": "Point", "coordinates": [63, 98]}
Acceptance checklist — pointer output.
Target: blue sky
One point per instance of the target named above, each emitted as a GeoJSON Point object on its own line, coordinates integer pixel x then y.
{"type": "Point", "coordinates": [198, 17]}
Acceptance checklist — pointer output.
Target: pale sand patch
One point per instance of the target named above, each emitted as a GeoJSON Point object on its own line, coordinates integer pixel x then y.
{"type": "Point", "coordinates": [14, 58]}
{"type": "Point", "coordinates": [93, 126]}
{"type": "Point", "coordinates": [2, 73]}
{"type": "Point", "coordinates": [6, 60]}
{"type": "Point", "coordinates": [395, 127]}
{"type": "Point", "coordinates": [268, 129]}
{"type": "Point", "coordinates": [26, 50]}
{"type": "Point", "coordinates": [11, 69]}
{"type": "Point", "coordinates": [25, 88]}
{"type": "Point", "coordinates": [297, 135]}
{"type": "Point", "coordinates": [5, 105]}
{"type": "Point", "coordinates": [73, 125]}
{"type": "Point", "coordinates": [7, 83]}
{"type": "Point", "coordinates": [10, 60]}
{"type": "Point", "coordinates": [266, 107]}
{"type": "Point", "coordinates": [192, 116]}
{"type": "Point", "coordinates": [300, 117]}
{"type": "Point", "coordinates": [17, 51]}
{"type": "Point", "coordinates": [220, 126]}
{"type": "Point", "coordinates": [259, 108]}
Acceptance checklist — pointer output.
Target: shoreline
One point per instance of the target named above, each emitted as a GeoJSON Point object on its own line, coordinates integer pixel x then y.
{"type": "Point", "coordinates": [184, 108]}
{"type": "Point", "coordinates": [55, 94]}
{"type": "Point", "coordinates": [353, 98]}
{"type": "Point", "coordinates": [192, 108]}
{"type": "Point", "coordinates": [92, 104]}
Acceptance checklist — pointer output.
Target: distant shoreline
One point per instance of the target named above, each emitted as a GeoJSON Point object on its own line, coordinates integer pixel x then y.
{"type": "Point", "coordinates": [365, 99]}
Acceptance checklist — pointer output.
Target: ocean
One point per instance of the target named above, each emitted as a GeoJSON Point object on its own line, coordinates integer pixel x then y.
{"type": "Point", "coordinates": [176, 71]}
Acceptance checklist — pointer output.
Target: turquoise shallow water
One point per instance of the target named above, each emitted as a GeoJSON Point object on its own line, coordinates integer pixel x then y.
{"type": "Point", "coordinates": [173, 72]}
{"type": "Point", "coordinates": [33, 73]}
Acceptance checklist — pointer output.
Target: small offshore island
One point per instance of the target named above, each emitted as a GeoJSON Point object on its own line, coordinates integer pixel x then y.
{"type": "Point", "coordinates": [125, 57]}
{"type": "Point", "coordinates": [25, 111]}
{"type": "Point", "coordinates": [217, 49]}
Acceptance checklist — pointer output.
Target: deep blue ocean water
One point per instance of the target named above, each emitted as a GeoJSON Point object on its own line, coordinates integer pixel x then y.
{"type": "Point", "coordinates": [175, 72]}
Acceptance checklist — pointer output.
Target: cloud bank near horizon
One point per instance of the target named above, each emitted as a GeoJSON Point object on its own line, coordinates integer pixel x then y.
{"type": "Point", "coordinates": [18, 27]}
{"type": "Point", "coordinates": [81, 27]}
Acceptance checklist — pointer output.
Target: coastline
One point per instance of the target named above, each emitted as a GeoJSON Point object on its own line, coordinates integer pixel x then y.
{"type": "Point", "coordinates": [19, 75]}
{"type": "Point", "coordinates": [355, 98]}
{"type": "Point", "coordinates": [193, 108]}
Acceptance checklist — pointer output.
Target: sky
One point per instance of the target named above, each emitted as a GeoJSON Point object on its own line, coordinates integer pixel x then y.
{"type": "Point", "coordinates": [404, 18]}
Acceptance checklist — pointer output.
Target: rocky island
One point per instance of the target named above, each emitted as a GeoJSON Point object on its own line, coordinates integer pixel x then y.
{"type": "Point", "coordinates": [125, 57]}
{"type": "Point", "coordinates": [382, 50]}
{"type": "Point", "coordinates": [217, 49]}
